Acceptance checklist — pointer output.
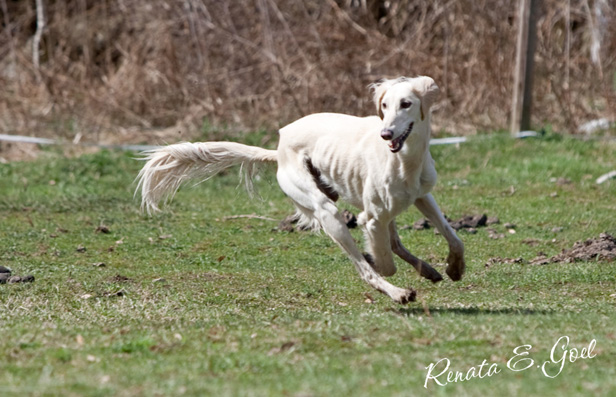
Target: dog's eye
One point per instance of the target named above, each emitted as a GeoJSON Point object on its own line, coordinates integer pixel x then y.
{"type": "Point", "coordinates": [405, 104]}
{"type": "Point", "coordinates": [384, 105]}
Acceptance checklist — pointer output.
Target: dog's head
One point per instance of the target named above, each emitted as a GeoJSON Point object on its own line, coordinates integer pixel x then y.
{"type": "Point", "coordinates": [402, 103]}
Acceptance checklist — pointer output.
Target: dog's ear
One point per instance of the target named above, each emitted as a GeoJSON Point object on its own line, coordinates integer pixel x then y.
{"type": "Point", "coordinates": [428, 92]}
{"type": "Point", "coordinates": [380, 88]}
{"type": "Point", "coordinates": [379, 104]}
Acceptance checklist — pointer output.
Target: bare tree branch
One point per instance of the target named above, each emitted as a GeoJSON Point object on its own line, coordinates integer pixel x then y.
{"type": "Point", "coordinates": [36, 42]}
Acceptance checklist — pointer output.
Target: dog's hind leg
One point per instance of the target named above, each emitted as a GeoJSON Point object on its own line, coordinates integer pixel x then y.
{"type": "Point", "coordinates": [316, 204]}
{"type": "Point", "coordinates": [332, 223]}
{"type": "Point", "coordinates": [427, 205]}
{"type": "Point", "coordinates": [424, 268]}
{"type": "Point", "coordinates": [377, 240]}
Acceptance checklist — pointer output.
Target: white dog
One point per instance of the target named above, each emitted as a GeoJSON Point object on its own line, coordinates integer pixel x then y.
{"type": "Point", "coordinates": [381, 165]}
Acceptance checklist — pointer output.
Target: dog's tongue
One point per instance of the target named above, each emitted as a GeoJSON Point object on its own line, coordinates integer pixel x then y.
{"type": "Point", "coordinates": [394, 145]}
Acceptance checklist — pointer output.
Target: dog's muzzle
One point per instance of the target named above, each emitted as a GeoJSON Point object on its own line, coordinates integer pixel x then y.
{"type": "Point", "coordinates": [396, 144]}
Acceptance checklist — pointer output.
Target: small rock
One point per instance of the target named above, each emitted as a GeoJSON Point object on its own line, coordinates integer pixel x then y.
{"type": "Point", "coordinates": [369, 298]}
{"type": "Point", "coordinates": [509, 192]}
{"type": "Point", "coordinates": [471, 230]}
{"type": "Point", "coordinates": [99, 264]}
{"type": "Point", "coordinates": [102, 229]}
{"type": "Point", "coordinates": [557, 229]}
{"type": "Point", "coordinates": [159, 280]}
{"type": "Point", "coordinates": [509, 225]}
{"type": "Point", "coordinates": [5, 270]}
{"type": "Point", "coordinates": [277, 350]}
{"type": "Point", "coordinates": [81, 248]}
{"type": "Point", "coordinates": [421, 224]}
{"type": "Point", "coordinates": [14, 279]}
{"type": "Point", "coordinates": [493, 234]}
{"type": "Point", "coordinates": [561, 181]}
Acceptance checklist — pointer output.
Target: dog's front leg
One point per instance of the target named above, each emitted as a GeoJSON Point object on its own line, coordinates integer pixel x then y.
{"type": "Point", "coordinates": [424, 268]}
{"type": "Point", "coordinates": [427, 205]}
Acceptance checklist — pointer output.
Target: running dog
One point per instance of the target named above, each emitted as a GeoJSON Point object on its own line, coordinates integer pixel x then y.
{"type": "Point", "coordinates": [380, 165]}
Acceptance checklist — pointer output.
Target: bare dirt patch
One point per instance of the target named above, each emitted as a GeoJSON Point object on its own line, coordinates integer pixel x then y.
{"type": "Point", "coordinates": [118, 278]}
{"type": "Point", "coordinates": [602, 248]}
{"type": "Point", "coordinates": [6, 277]}
{"type": "Point", "coordinates": [469, 223]}
{"type": "Point", "coordinates": [509, 261]}
{"type": "Point", "coordinates": [15, 151]}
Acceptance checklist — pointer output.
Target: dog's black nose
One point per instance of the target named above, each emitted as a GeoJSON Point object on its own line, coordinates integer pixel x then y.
{"type": "Point", "coordinates": [387, 134]}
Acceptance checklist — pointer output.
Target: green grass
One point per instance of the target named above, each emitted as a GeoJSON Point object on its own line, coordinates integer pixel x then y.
{"type": "Point", "coordinates": [244, 310]}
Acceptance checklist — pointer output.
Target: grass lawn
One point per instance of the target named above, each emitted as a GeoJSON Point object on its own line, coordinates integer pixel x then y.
{"type": "Point", "coordinates": [190, 302]}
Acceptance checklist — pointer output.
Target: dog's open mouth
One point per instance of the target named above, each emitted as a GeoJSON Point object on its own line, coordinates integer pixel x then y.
{"type": "Point", "coordinates": [396, 144]}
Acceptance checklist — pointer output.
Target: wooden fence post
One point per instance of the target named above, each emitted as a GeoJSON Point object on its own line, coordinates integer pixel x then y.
{"type": "Point", "coordinates": [521, 106]}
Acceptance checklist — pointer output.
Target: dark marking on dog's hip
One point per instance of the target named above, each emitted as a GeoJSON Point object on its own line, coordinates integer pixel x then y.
{"type": "Point", "coordinates": [321, 184]}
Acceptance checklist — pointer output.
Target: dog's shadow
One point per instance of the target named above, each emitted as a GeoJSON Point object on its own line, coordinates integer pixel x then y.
{"type": "Point", "coordinates": [469, 311]}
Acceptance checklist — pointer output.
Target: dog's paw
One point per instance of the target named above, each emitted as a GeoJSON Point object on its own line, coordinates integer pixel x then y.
{"type": "Point", "coordinates": [430, 273]}
{"type": "Point", "coordinates": [407, 296]}
{"type": "Point", "coordinates": [456, 267]}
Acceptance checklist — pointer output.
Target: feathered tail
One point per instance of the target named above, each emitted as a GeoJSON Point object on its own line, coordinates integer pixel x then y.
{"type": "Point", "coordinates": [170, 166]}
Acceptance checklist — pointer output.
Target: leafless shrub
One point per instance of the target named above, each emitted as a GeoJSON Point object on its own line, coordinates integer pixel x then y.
{"type": "Point", "coordinates": [117, 65]}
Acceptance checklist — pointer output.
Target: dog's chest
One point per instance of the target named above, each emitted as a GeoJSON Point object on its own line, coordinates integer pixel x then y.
{"type": "Point", "coordinates": [400, 194]}
{"type": "Point", "coordinates": [386, 198]}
